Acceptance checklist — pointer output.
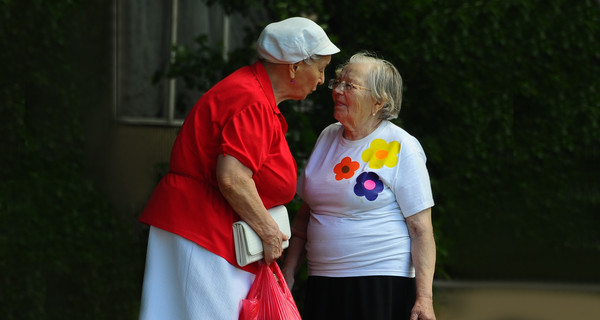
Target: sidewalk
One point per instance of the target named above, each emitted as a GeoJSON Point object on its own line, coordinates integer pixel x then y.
{"type": "Point", "coordinates": [456, 300]}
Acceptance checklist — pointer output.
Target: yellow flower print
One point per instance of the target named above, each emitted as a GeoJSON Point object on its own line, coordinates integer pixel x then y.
{"type": "Point", "coordinates": [381, 153]}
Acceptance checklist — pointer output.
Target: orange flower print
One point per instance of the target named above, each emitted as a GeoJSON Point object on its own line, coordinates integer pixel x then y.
{"type": "Point", "coordinates": [381, 153]}
{"type": "Point", "coordinates": [345, 169]}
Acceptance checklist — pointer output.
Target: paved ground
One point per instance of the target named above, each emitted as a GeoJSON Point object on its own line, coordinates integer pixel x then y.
{"type": "Point", "coordinates": [516, 301]}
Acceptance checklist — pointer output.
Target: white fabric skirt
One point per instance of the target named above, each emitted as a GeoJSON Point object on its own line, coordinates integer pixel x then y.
{"type": "Point", "coordinates": [184, 281]}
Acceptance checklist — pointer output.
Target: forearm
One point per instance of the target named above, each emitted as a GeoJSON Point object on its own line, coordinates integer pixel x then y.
{"type": "Point", "coordinates": [424, 255]}
{"type": "Point", "coordinates": [423, 251]}
{"type": "Point", "coordinates": [294, 257]}
{"type": "Point", "coordinates": [240, 192]}
{"type": "Point", "coordinates": [238, 188]}
{"type": "Point", "coordinates": [296, 252]}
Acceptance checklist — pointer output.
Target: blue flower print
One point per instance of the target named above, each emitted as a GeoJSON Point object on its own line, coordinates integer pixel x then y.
{"type": "Point", "coordinates": [368, 185]}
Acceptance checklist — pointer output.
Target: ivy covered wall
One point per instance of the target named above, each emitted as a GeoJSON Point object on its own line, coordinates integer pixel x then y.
{"type": "Point", "coordinates": [65, 251]}
{"type": "Point", "coordinates": [505, 97]}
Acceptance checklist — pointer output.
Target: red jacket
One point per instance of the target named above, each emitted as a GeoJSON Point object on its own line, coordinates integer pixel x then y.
{"type": "Point", "coordinates": [237, 117]}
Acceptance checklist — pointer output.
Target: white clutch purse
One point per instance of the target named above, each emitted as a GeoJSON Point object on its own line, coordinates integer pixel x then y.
{"type": "Point", "coordinates": [248, 245]}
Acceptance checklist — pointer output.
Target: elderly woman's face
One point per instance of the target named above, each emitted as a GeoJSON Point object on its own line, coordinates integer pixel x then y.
{"type": "Point", "coordinates": [309, 76]}
{"type": "Point", "coordinates": [353, 105]}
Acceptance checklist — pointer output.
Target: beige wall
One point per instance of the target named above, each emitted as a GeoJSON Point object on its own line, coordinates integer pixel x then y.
{"type": "Point", "coordinates": [518, 301]}
{"type": "Point", "coordinates": [122, 158]}
{"type": "Point", "coordinates": [135, 155]}
{"type": "Point", "coordinates": [126, 160]}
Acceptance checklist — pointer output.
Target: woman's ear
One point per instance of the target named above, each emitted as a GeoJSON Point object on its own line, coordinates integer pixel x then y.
{"type": "Point", "coordinates": [378, 106]}
{"type": "Point", "coordinates": [293, 69]}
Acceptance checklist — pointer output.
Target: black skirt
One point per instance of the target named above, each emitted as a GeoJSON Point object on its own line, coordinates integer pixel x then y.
{"type": "Point", "coordinates": [368, 298]}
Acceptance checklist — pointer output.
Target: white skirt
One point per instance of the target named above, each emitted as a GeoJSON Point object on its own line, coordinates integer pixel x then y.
{"type": "Point", "coordinates": [184, 281]}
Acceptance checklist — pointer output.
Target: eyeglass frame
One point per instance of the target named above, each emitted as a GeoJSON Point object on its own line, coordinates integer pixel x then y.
{"type": "Point", "coordinates": [335, 83]}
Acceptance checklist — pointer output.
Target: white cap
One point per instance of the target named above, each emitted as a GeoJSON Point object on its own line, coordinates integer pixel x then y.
{"type": "Point", "coordinates": [293, 40]}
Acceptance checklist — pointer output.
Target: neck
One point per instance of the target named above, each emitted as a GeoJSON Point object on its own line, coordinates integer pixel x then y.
{"type": "Point", "coordinates": [359, 132]}
{"type": "Point", "coordinates": [280, 80]}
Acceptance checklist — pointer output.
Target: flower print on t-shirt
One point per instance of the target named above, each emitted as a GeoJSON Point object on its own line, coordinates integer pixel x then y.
{"type": "Point", "coordinates": [381, 153]}
{"type": "Point", "coordinates": [368, 185]}
{"type": "Point", "coordinates": [345, 169]}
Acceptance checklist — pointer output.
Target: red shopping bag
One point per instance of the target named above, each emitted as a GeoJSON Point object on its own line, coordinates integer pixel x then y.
{"type": "Point", "coordinates": [269, 297]}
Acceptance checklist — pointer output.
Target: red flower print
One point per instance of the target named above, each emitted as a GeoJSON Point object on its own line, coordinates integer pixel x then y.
{"type": "Point", "coordinates": [345, 169]}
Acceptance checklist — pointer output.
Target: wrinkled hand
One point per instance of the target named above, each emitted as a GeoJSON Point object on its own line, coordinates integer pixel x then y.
{"type": "Point", "coordinates": [423, 310]}
{"type": "Point", "coordinates": [273, 247]}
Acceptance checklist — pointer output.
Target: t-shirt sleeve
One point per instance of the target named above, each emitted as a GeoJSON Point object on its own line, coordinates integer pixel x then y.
{"type": "Point", "coordinates": [413, 188]}
{"type": "Point", "coordinates": [248, 134]}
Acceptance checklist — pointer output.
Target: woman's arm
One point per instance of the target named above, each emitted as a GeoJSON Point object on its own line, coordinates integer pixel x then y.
{"type": "Point", "coordinates": [238, 188]}
{"type": "Point", "coordinates": [295, 253]}
{"type": "Point", "coordinates": [423, 253]}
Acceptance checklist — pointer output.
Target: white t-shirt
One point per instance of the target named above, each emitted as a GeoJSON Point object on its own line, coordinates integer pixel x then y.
{"type": "Point", "coordinates": [359, 192]}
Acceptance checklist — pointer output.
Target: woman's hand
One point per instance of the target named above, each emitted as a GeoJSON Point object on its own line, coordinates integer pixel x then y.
{"type": "Point", "coordinates": [273, 245]}
{"type": "Point", "coordinates": [423, 310]}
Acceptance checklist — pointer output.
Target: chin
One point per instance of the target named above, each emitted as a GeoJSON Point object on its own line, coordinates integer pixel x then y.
{"type": "Point", "coordinates": [336, 116]}
{"type": "Point", "coordinates": [299, 98]}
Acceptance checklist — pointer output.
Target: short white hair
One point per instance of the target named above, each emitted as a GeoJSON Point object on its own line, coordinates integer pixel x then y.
{"type": "Point", "coordinates": [384, 81]}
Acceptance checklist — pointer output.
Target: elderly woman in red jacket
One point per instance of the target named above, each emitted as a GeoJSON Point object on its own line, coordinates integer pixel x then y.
{"type": "Point", "coordinates": [230, 161]}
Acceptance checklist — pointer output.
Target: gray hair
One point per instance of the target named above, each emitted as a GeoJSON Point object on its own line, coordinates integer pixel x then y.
{"type": "Point", "coordinates": [313, 59]}
{"type": "Point", "coordinates": [309, 61]}
{"type": "Point", "coordinates": [383, 80]}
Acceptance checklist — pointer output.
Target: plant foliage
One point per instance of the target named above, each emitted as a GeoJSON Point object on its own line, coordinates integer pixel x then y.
{"type": "Point", "coordinates": [66, 254]}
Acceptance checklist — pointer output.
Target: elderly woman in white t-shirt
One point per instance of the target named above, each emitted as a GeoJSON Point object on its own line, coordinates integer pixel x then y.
{"type": "Point", "coordinates": [365, 223]}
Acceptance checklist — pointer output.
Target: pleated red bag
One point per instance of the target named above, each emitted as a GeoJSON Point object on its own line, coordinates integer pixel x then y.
{"type": "Point", "coordinates": [269, 297]}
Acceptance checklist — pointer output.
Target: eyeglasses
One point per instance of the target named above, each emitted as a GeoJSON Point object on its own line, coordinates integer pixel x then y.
{"type": "Point", "coordinates": [334, 83]}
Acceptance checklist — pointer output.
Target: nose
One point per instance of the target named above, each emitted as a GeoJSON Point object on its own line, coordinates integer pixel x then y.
{"type": "Point", "coordinates": [338, 89]}
{"type": "Point", "coordinates": [321, 79]}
